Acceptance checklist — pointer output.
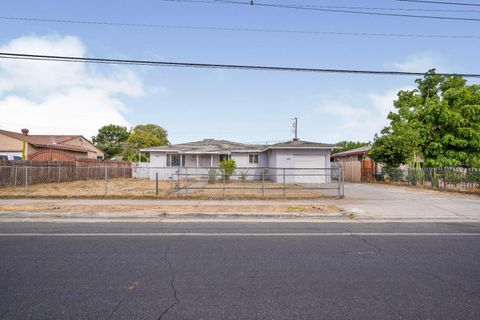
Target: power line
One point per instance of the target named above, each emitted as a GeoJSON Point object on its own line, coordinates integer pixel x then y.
{"type": "Point", "coordinates": [443, 3]}
{"type": "Point", "coordinates": [385, 8]}
{"type": "Point", "coordinates": [295, 7]}
{"type": "Point", "coordinates": [23, 56]}
{"type": "Point", "coordinates": [344, 7]}
{"type": "Point", "coordinates": [214, 28]}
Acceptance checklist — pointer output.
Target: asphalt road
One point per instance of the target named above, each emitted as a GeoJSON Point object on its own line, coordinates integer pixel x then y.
{"type": "Point", "coordinates": [239, 271]}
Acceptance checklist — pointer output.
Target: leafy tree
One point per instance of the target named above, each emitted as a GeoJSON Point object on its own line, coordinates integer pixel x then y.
{"type": "Point", "coordinates": [228, 167]}
{"type": "Point", "coordinates": [441, 118]}
{"type": "Point", "coordinates": [348, 145]}
{"type": "Point", "coordinates": [394, 147]}
{"type": "Point", "coordinates": [144, 136]}
{"type": "Point", "coordinates": [111, 139]}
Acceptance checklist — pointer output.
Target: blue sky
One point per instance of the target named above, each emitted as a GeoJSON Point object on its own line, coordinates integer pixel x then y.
{"type": "Point", "coordinates": [246, 106]}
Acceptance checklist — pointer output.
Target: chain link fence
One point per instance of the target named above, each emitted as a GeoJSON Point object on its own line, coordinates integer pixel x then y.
{"type": "Point", "coordinates": [167, 183]}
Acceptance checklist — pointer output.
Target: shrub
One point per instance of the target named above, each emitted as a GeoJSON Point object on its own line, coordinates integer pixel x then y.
{"type": "Point", "coordinates": [452, 177]}
{"type": "Point", "coordinates": [394, 174]}
{"type": "Point", "coordinates": [228, 168]}
{"type": "Point", "coordinates": [264, 174]}
{"type": "Point", "coordinates": [243, 175]}
{"type": "Point", "coordinates": [212, 175]}
{"type": "Point", "coordinates": [435, 180]}
{"type": "Point", "coordinates": [473, 176]}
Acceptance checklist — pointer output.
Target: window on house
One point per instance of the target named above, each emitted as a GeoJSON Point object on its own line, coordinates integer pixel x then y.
{"type": "Point", "coordinates": [253, 158]}
{"type": "Point", "coordinates": [175, 160]}
{"type": "Point", "coordinates": [225, 157]}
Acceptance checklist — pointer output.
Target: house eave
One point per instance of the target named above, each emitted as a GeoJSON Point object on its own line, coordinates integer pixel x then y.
{"type": "Point", "coordinates": [302, 148]}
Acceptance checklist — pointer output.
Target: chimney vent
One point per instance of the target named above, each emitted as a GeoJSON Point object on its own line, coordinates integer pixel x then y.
{"type": "Point", "coordinates": [25, 131]}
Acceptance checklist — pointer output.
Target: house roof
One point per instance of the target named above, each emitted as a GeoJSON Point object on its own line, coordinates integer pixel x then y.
{"type": "Point", "coordinates": [301, 145]}
{"type": "Point", "coordinates": [47, 141]}
{"type": "Point", "coordinates": [353, 152]}
{"type": "Point", "coordinates": [207, 146]}
{"type": "Point", "coordinates": [224, 146]}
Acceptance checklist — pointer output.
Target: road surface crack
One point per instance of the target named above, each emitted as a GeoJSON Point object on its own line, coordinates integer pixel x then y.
{"type": "Point", "coordinates": [172, 284]}
{"type": "Point", "coordinates": [368, 243]}
{"type": "Point", "coordinates": [117, 306]}
{"type": "Point", "coordinates": [438, 278]}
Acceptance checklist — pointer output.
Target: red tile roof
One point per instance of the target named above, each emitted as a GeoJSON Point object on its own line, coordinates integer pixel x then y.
{"type": "Point", "coordinates": [46, 141]}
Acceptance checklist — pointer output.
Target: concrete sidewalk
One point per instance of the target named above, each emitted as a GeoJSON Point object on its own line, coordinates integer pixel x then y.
{"type": "Point", "coordinates": [362, 202]}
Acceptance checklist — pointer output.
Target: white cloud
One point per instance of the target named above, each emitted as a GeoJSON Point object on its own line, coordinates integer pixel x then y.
{"type": "Point", "coordinates": [418, 62]}
{"type": "Point", "coordinates": [61, 97]}
{"type": "Point", "coordinates": [359, 117]}
{"type": "Point", "coordinates": [350, 117]}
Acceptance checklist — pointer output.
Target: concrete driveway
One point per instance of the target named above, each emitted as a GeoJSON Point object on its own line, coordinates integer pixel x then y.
{"type": "Point", "coordinates": [380, 201]}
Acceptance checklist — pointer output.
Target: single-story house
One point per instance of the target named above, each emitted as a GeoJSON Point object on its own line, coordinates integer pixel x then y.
{"type": "Point", "coordinates": [14, 145]}
{"type": "Point", "coordinates": [270, 160]}
{"type": "Point", "coordinates": [357, 154]}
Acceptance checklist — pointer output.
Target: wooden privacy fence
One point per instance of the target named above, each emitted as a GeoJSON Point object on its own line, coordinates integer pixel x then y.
{"type": "Point", "coordinates": [352, 171]}
{"type": "Point", "coordinates": [34, 172]}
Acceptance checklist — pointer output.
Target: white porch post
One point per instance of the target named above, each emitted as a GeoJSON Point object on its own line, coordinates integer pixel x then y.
{"type": "Point", "coordinates": [198, 162]}
{"type": "Point", "coordinates": [211, 160]}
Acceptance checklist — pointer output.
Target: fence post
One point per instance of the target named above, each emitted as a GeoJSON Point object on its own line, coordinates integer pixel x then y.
{"type": "Point", "coordinates": [340, 183]}
{"type": "Point", "coordinates": [263, 184]}
{"type": "Point", "coordinates": [187, 183]}
{"type": "Point", "coordinates": [106, 180]}
{"type": "Point", "coordinates": [26, 181]}
{"type": "Point", "coordinates": [284, 191]}
{"type": "Point", "coordinates": [156, 183]}
{"type": "Point", "coordinates": [16, 174]}
{"type": "Point", "coordinates": [177, 185]}
{"type": "Point", "coordinates": [59, 171]}
{"type": "Point", "coordinates": [223, 174]}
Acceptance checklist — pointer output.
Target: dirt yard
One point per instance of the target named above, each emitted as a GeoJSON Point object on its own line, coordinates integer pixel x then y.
{"type": "Point", "coordinates": [253, 190]}
{"type": "Point", "coordinates": [144, 188]}
{"type": "Point", "coordinates": [58, 206]}
{"type": "Point", "coordinates": [91, 189]}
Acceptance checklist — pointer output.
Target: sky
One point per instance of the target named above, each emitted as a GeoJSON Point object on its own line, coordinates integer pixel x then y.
{"type": "Point", "coordinates": [244, 106]}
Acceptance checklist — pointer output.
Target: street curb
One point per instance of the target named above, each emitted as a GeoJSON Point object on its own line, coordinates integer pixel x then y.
{"type": "Point", "coordinates": [167, 215]}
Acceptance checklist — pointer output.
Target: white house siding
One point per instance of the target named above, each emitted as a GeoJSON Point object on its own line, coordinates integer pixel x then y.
{"type": "Point", "coordinates": [252, 169]}
{"type": "Point", "coordinates": [158, 162]}
{"type": "Point", "coordinates": [274, 159]}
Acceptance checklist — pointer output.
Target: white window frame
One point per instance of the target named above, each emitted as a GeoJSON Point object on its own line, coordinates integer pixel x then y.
{"type": "Point", "coordinates": [179, 162]}
{"type": "Point", "coordinates": [253, 158]}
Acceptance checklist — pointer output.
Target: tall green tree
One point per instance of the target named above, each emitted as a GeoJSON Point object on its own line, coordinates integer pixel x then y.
{"type": "Point", "coordinates": [441, 117]}
{"type": "Point", "coordinates": [111, 139]}
{"type": "Point", "coordinates": [144, 136]}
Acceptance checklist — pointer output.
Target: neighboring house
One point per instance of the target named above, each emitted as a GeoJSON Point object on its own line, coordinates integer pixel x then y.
{"type": "Point", "coordinates": [208, 153]}
{"type": "Point", "coordinates": [46, 147]}
{"type": "Point", "coordinates": [357, 154]}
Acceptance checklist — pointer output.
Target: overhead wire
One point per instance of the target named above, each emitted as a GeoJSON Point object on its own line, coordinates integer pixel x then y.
{"type": "Point", "coordinates": [442, 2]}
{"type": "Point", "coordinates": [236, 29]}
{"type": "Point", "coordinates": [295, 7]}
{"type": "Point", "coordinates": [37, 57]}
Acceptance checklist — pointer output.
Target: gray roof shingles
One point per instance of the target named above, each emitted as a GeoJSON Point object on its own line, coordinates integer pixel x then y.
{"type": "Point", "coordinates": [219, 146]}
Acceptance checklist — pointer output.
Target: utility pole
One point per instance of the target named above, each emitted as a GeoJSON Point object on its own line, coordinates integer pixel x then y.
{"type": "Point", "coordinates": [295, 128]}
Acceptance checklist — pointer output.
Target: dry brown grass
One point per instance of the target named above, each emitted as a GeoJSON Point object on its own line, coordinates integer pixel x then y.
{"type": "Point", "coordinates": [91, 189]}
{"type": "Point", "coordinates": [253, 190]}
{"type": "Point", "coordinates": [58, 207]}
{"type": "Point", "coordinates": [144, 188]}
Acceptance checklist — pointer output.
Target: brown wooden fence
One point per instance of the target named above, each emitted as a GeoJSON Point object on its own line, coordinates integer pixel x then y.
{"type": "Point", "coordinates": [33, 172]}
{"type": "Point", "coordinates": [352, 171]}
